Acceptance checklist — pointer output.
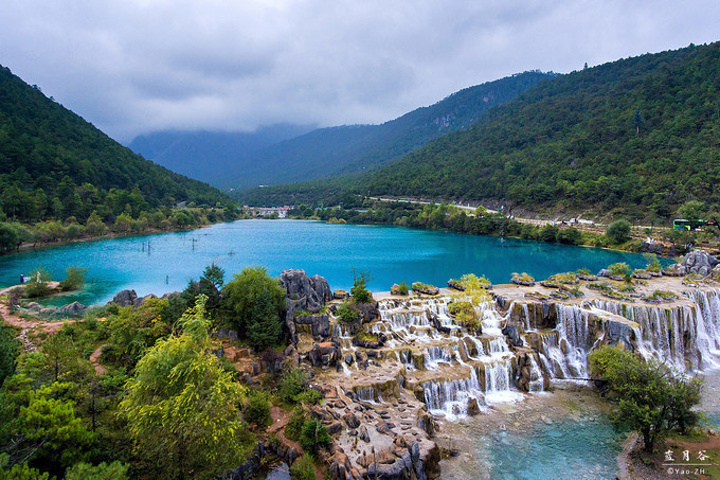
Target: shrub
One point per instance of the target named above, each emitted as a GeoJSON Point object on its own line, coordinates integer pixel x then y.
{"type": "Point", "coordinates": [303, 468]}
{"type": "Point", "coordinates": [403, 288]}
{"type": "Point", "coordinates": [566, 278]}
{"type": "Point", "coordinates": [523, 277]}
{"type": "Point", "coordinates": [347, 312]}
{"type": "Point", "coordinates": [257, 410]}
{"type": "Point", "coordinates": [314, 436]}
{"type": "Point", "coordinates": [293, 429]}
{"type": "Point", "coordinates": [37, 285]}
{"type": "Point", "coordinates": [292, 384]}
{"type": "Point", "coordinates": [653, 263]}
{"type": "Point", "coordinates": [619, 269]}
{"type": "Point", "coordinates": [74, 280]}
{"type": "Point", "coordinates": [618, 231]}
{"type": "Point", "coordinates": [359, 289]}
{"type": "Point", "coordinates": [569, 236]}
{"type": "Point", "coordinates": [465, 314]}
{"type": "Point", "coordinates": [309, 396]}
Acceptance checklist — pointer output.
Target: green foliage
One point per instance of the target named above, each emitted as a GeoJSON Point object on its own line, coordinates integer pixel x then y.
{"type": "Point", "coordinates": [292, 384]}
{"type": "Point", "coordinates": [359, 290]}
{"type": "Point", "coordinates": [257, 410]}
{"type": "Point", "coordinates": [402, 288]}
{"type": "Point", "coordinates": [314, 436]}
{"type": "Point", "coordinates": [348, 312]}
{"type": "Point", "coordinates": [293, 429]}
{"type": "Point", "coordinates": [465, 314]}
{"type": "Point", "coordinates": [653, 263]}
{"type": "Point", "coordinates": [619, 269]}
{"type": "Point", "coordinates": [9, 238]}
{"type": "Point", "coordinates": [55, 165]}
{"type": "Point", "coordinates": [181, 404]}
{"type": "Point", "coordinates": [356, 148]}
{"type": "Point", "coordinates": [649, 397]}
{"type": "Point", "coordinates": [36, 285]}
{"type": "Point", "coordinates": [692, 210]}
{"type": "Point", "coordinates": [523, 277]}
{"type": "Point", "coordinates": [303, 468]}
{"type": "Point", "coordinates": [19, 471]}
{"type": "Point", "coordinates": [74, 280]}
{"type": "Point", "coordinates": [619, 231]}
{"type": "Point", "coordinates": [309, 397]}
{"type": "Point", "coordinates": [9, 350]}
{"type": "Point", "coordinates": [571, 142]}
{"type": "Point", "coordinates": [85, 471]}
{"type": "Point", "coordinates": [41, 426]}
{"type": "Point", "coordinates": [565, 278]}
{"type": "Point", "coordinates": [257, 301]}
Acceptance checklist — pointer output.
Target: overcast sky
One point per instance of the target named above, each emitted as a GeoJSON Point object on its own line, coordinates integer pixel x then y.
{"type": "Point", "coordinates": [136, 66]}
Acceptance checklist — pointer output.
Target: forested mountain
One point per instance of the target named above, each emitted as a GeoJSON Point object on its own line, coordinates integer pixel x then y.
{"type": "Point", "coordinates": [55, 165]}
{"type": "Point", "coordinates": [207, 156]}
{"type": "Point", "coordinates": [638, 136]}
{"type": "Point", "coordinates": [328, 152]}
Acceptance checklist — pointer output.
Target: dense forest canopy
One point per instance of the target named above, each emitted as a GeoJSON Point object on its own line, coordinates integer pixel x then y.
{"type": "Point", "coordinates": [636, 137]}
{"type": "Point", "coordinates": [55, 165]}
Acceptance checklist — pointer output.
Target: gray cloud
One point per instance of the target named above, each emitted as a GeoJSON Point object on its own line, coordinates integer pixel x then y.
{"type": "Point", "coordinates": [134, 66]}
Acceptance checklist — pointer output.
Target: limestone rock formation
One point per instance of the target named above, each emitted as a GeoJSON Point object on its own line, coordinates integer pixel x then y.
{"type": "Point", "coordinates": [303, 293]}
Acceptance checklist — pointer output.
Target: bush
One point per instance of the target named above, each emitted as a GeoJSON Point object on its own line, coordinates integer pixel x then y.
{"type": "Point", "coordinates": [403, 288]}
{"type": "Point", "coordinates": [293, 429]}
{"type": "Point", "coordinates": [257, 410]}
{"type": "Point", "coordinates": [618, 231]}
{"type": "Point", "coordinates": [359, 290]}
{"type": "Point", "coordinates": [309, 396]}
{"type": "Point", "coordinates": [303, 468]}
{"type": "Point", "coordinates": [74, 280]}
{"type": "Point", "coordinates": [465, 314]}
{"type": "Point", "coordinates": [619, 269]}
{"type": "Point", "coordinates": [569, 236]}
{"type": "Point", "coordinates": [37, 285]}
{"type": "Point", "coordinates": [314, 436]}
{"type": "Point", "coordinates": [347, 312]}
{"type": "Point", "coordinates": [292, 385]}
{"type": "Point", "coordinates": [86, 471]}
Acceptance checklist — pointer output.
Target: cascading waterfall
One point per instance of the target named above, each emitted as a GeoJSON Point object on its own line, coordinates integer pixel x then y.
{"type": "Point", "coordinates": [437, 354]}
{"type": "Point", "coordinates": [450, 397]}
{"type": "Point", "coordinates": [574, 340]}
{"type": "Point", "coordinates": [536, 376]}
{"type": "Point", "coordinates": [708, 326]}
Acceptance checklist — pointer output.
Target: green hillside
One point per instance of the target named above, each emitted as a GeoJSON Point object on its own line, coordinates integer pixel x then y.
{"type": "Point", "coordinates": [55, 165]}
{"type": "Point", "coordinates": [242, 161]}
{"type": "Point", "coordinates": [638, 136]}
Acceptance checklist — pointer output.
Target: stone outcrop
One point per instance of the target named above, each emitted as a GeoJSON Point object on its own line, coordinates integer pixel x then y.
{"type": "Point", "coordinates": [303, 293]}
{"type": "Point", "coordinates": [125, 298]}
{"type": "Point", "coordinates": [325, 354]}
{"type": "Point", "coordinates": [697, 261]}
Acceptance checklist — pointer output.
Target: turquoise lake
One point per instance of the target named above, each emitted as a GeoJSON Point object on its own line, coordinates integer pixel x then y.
{"type": "Point", "coordinates": [390, 254]}
{"type": "Point", "coordinates": [568, 450]}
